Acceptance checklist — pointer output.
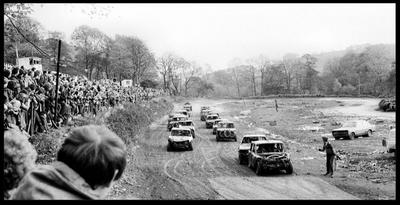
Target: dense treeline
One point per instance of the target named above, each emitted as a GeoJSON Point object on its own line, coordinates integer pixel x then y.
{"type": "Point", "coordinates": [369, 71]}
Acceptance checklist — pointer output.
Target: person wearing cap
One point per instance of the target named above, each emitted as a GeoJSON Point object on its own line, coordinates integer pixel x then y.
{"type": "Point", "coordinates": [89, 161]}
{"type": "Point", "coordinates": [330, 156]}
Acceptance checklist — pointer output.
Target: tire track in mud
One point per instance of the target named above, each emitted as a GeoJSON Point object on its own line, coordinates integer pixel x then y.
{"type": "Point", "coordinates": [184, 167]}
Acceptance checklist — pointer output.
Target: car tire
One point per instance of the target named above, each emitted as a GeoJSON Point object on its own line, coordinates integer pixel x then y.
{"type": "Point", "coordinates": [352, 136]}
{"type": "Point", "coordinates": [369, 133]}
{"type": "Point", "coordinates": [249, 164]}
{"type": "Point", "coordinates": [258, 169]}
{"type": "Point", "coordinates": [169, 147]}
{"type": "Point", "coordinates": [240, 160]}
{"type": "Point", "coordinates": [235, 139]}
{"type": "Point", "coordinates": [336, 138]}
{"type": "Point", "coordinates": [289, 169]}
{"type": "Point", "coordinates": [190, 147]}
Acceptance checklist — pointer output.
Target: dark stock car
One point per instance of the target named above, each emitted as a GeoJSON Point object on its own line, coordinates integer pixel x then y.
{"type": "Point", "coordinates": [269, 155]}
{"type": "Point", "coordinates": [244, 146]}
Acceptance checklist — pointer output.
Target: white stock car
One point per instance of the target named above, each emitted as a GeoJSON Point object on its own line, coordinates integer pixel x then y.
{"type": "Point", "coordinates": [180, 138]}
{"type": "Point", "coordinates": [353, 129]}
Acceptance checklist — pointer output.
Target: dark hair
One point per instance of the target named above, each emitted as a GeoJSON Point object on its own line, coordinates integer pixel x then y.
{"type": "Point", "coordinates": [95, 153]}
{"type": "Point", "coordinates": [15, 70]}
{"type": "Point", "coordinates": [6, 73]}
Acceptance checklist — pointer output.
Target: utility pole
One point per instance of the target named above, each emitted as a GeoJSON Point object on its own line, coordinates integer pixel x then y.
{"type": "Point", "coordinates": [359, 84]}
{"type": "Point", "coordinates": [58, 73]}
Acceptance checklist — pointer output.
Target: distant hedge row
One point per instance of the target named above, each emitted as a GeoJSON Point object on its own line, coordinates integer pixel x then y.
{"type": "Point", "coordinates": [133, 119]}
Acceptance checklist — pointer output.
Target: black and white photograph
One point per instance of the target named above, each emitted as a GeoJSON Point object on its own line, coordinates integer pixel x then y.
{"type": "Point", "coordinates": [199, 101]}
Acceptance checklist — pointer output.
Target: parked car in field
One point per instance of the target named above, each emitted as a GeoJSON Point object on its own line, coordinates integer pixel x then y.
{"type": "Point", "coordinates": [180, 138]}
{"type": "Point", "coordinates": [226, 131]}
{"type": "Point", "coordinates": [176, 118]}
{"type": "Point", "coordinates": [244, 146]}
{"type": "Point", "coordinates": [390, 141]}
{"type": "Point", "coordinates": [353, 129]}
{"type": "Point", "coordinates": [188, 124]}
{"type": "Point", "coordinates": [269, 155]}
{"type": "Point", "coordinates": [210, 120]}
{"type": "Point", "coordinates": [187, 106]}
{"type": "Point", "coordinates": [215, 125]}
{"type": "Point", "coordinates": [203, 114]}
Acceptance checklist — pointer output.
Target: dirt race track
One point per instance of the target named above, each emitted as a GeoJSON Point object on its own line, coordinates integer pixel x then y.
{"type": "Point", "coordinates": [212, 171]}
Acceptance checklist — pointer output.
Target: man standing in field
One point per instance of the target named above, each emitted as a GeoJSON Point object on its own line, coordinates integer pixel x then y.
{"type": "Point", "coordinates": [276, 105]}
{"type": "Point", "coordinates": [330, 156]}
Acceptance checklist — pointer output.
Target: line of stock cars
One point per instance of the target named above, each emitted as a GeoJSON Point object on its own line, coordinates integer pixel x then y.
{"type": "Point", "coordinates": [256, 150]}
{"type": "Point", "coordinates": [259, 151]}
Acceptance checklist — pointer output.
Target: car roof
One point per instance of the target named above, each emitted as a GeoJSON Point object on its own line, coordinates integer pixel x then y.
{"type": "Point", "coordinates": [267, 142]}
{"type": "Point", "coordinates": [254, 135]}
{"type": "Point", "coordinates": [181, 111]}
{"type": "Point", "coordinates": [212, 115]}
{"type": "Point", "coordinates": [225, 121]}
{"type": "Point", "coordinates": [179, 115]}
{"type": "Point", "coordinates": [181, 128]}
{"type": "Point", "coordinates": [187, 121]}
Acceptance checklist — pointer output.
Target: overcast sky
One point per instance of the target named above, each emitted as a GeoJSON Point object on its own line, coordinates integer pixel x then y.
{"type": "Point", "coordinates": [217, 33]}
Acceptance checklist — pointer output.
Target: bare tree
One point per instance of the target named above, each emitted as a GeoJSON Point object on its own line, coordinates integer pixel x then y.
{"type": "Point", "coordinates": [236, 78]}
{"type": "Point", "coordinates": [164, 63]}
{"type": "Point", "coordinates": [258, 64]}
{"type": "Point", "coordinates": [289, 62]}
{"type": "Point", "coordinates": [189, 71]}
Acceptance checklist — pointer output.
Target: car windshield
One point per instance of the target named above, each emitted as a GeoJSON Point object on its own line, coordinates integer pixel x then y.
{"type": "Point", "coordinates": [178, 118]}
{"type": "Point", "coordinates": [216, 122]}
{"type": "Point", "coordinates": [212, 117]}
{"type": "Point", "coordinates": [180, 132]}
{"type": "Point", "coordinates": [186, 123]}
{"type": "Point", "coordinates": [349, 124]}
{"type": "Point", "coordinates": [226, 125]}
{"type": "Point", "coordinates": [251, 139]}
{"type": "Point", "coordinates": [275, 147]}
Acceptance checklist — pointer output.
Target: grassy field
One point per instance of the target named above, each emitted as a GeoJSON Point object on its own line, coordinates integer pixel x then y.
{"type": "Point", "coordinates": [365, 169]}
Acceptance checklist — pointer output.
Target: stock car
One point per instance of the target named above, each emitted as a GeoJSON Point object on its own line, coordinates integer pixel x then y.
{"type": "Point", "coordinates": [269, 155]}
{"type": "Point", "coordinates": [188, 124]}
{"type": "Point", "coordinates": [226, 131]}
{"type": "Point", "coordinates": [203, 114]}
{"type": "Point", "coordinates": [180, 138]}
{"type": "Point", "coordinates": [175, 119]}
{"type": "Point", "coordinates": [215, 125]}
{"type": "Point", "coordinates": [244, 146]}
{"type": "Point", "coordinates": [183, 112]}
{"type": "Point", "coordinates": [210, 119]}
{"type": "Point", "coordinates": [187, 106]}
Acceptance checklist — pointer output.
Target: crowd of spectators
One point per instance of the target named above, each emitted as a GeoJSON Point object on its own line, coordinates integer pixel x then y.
{"type": "Point", "coordinates": [29, 98]}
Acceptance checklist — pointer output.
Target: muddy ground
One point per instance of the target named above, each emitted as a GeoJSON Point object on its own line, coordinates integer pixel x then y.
{"type": "Point", "coordinates": [212, 171]}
